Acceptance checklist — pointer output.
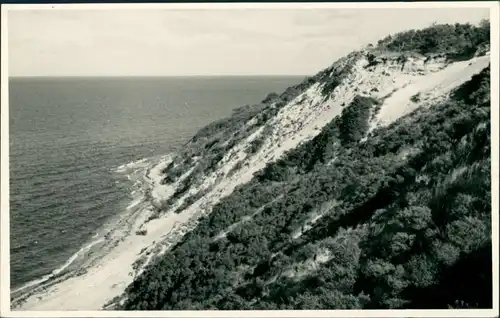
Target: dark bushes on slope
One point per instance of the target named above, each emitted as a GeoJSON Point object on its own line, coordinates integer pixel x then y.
{"type": "Point", "coordinates": [458, 41]}
{"type": "Point", "coordinates": [401, 233]}
{"type": "Point", "coordinates": [355, 119]}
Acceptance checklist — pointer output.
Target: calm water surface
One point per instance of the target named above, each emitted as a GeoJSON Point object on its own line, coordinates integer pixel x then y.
{"type": "Point", "coordinates": [67, 135]}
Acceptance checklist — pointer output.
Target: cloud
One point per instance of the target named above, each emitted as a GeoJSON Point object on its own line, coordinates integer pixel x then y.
{"type": "Point", "coordinates": [186, 42]}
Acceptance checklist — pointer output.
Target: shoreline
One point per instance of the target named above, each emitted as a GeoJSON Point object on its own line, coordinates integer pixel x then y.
{"type": "Point", "coordinates": [114, 268]}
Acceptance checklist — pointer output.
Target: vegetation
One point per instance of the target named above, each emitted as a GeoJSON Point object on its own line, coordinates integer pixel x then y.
{"type": "Point", "coordinates": [415, 98]}
{"type": "Point", "coordinates": [457, 41]}
{"type": "Point", "coordinates": [399, 220]}
{"type": "Point", "coordinates": [212, 142]}
{"type": "Point", "coordinates": [255, 145]}
{"type": "Point", "coordinates": [354, 122]}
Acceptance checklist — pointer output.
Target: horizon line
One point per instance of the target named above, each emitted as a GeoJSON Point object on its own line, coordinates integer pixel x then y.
{"type": "Point", "coordinates": [159, 76]}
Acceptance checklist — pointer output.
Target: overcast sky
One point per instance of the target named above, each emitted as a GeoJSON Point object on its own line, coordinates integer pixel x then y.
{"type": "Point", "coordinates": [202, 42]}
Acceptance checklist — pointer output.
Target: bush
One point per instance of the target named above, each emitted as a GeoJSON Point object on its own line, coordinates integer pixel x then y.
{"type": "Point", "coordinates": [458, 41]}
{"type": "Point", "coordinates": [355, 119]}
{"type": "Point", "coordinates": [415, 98]}
{"type": "Point", "coordinates": [255, 145]}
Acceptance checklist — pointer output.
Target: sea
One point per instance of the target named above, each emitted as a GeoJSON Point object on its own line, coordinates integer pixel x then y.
{"type": "Point", "coordinates": [68, 139]}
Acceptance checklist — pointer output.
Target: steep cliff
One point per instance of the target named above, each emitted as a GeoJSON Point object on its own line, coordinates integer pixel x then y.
{"type": "Point", "coordinates": [365, 186]}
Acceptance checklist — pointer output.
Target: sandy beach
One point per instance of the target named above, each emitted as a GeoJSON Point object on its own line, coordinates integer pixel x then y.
{"type": "Point", "coordinates": [110, 275]}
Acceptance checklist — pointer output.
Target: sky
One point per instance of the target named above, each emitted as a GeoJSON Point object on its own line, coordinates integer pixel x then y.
{"type": "Point", "coordinates": [176, 42]}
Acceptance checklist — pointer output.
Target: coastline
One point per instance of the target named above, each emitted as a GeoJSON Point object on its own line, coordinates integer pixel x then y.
{"type": "Point", "coordinates": [104, 280]}
{"type": "Point", "coordinates": [105, 277]}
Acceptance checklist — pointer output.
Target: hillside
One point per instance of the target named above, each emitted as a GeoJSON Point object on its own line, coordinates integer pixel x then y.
{"type": "Point", "coordinates": [365, 186]}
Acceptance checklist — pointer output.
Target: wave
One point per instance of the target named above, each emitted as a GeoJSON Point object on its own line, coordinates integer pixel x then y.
{"type": "Point", "coordinates": [134, 203]}
{"type": "Point", "coordinates": [75, 256]}
{"type": "Point", "coordinates": [32, 283]}
{"type": "Point", "coordinates": [110, 233]}
{"type": "Point", "coordinates": [61, 269]}
{"type": "Point", "coordinates": [132, 165]}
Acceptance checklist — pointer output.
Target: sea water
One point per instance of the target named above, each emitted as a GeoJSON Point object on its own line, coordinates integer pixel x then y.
{"type": "Point", "coordinates": [77, 144]}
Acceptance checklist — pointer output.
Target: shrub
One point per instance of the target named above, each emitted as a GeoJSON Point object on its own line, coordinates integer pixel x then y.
{"type": "Point", "coordinates": [355, 119]}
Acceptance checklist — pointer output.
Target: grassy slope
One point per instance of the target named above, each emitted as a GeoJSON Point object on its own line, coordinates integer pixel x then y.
{"type": "Point", "coordinates": [390, 222]}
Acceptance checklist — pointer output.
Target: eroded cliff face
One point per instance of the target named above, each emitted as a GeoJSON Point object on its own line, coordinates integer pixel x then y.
{"type": "Point", "coordinates": [401, 83]}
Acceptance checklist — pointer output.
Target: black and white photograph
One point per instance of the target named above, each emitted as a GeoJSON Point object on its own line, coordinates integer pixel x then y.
{"type": "Point", "coordinates": [186, 158]}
